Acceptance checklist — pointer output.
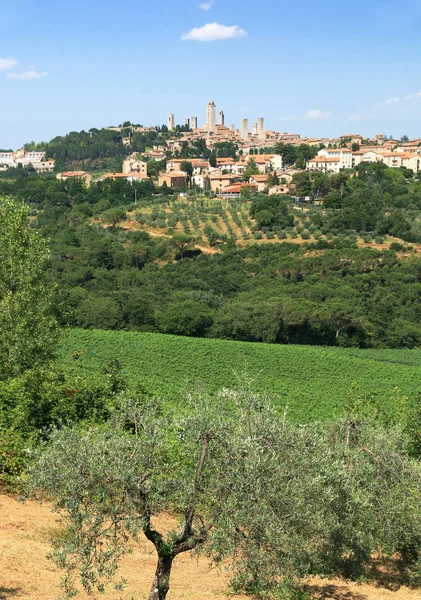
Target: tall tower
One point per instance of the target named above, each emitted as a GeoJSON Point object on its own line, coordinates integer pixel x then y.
{"type": "Point", "coordinates": [244, 131]}
{"type": "Point", "coordinates": [232, 127]}
{"type": "Point", "coordinates": [254, 129]}
{"type": "Point", "coordinates": [221, 118]}
{"type": "Point", "coordinates": [171, 122]}
{"type": "Point", "coordinates": [210, 116]}
{"type": "Point", "coordinates": [187, 122]}
{"type": "Point", "coordinates": [261, 128]}
{"type": "Point", "coordinates": [194, 122]}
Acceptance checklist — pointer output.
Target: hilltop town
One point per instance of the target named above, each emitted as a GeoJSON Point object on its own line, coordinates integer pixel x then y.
{"type": "Point", "coordinates": [227, 161]}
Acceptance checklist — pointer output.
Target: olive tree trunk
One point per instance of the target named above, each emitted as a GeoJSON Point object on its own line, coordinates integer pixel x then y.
{"type": "Point", "coordinates": [161, 582]}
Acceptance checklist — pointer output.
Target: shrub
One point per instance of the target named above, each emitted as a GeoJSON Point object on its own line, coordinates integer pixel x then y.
{"type": "Point", "coordinates": [397, 247]}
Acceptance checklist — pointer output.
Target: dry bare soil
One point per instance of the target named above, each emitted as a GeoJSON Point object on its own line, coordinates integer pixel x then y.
{"type": "Point", "coordinates": [25, 572]}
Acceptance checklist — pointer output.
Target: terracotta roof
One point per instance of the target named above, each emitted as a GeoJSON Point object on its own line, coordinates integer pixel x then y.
{"type": "Point", "coordinates": [225, 161]}
{"type": "Point", "coordinates": [73, 174]}
{"type": "Point", "coordinates": [220, 177]}
{"type": "Point", "coordinates": [258, 159]}
{"type": "Point", "coordinates": [260, 178]}
{"type": "Point", "coordinates": [237, 187]}
{"type": "Point", "coordinates": [323, 159]}
{"type": "Point", "coordinates": [124, 176]}
{"type": "Point", "coordinates": [174, 174]}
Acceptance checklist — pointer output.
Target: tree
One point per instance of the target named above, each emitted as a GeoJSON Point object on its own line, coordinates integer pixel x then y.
{"type": "Point", "coordinates": [302, 183]}
{"type": "Point", "coordinates": [28, 327]}
{"type": "Point", "coordinates": [273, 180]}
{"type": "Point", "coordinates": [98, 312]}
{"type": "Point", "coordinates": [184, 317]}
{"type": "Point", "coordinates": [181, 241]}
{"type": "Point", "coordinates": [271, 211]}
{"type": "Point", "coordinates": [281, 500]}
{"type": "Point", "coordinates": [328, 518]}
{"type": "Point", "coordinates": [247, 321]}
{"type": "Point", "coordinates": [114, 216]}
{"type": "Point", "coordinates": [212, 159]}
{"type": "Point", "coordinates": [252, 169]}
{"type": "Point", "coordinates": [187, 167]}
{"type": "Point", "coordinates": [141, 464]}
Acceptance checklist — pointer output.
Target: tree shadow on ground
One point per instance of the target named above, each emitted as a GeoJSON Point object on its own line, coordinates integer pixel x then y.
{"type": "Point", "coordinates": [6, 593]}
{"type": "Point", "coordinates": [388, 574]}
{"type": "Point", "coordinates": [333, 592]}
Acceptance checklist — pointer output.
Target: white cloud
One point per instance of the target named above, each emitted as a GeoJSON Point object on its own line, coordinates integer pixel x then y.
{"type": "Point", "coordinates": [396, 99]}
{"type": "Point", "coordinates": [318, 114]}
{"type": "Point", "coordinates": [413, 96]}
{"type": "Point", "coordinates": [7, 63]}
{"type": "Point", "coordinates": [27, 75]}
{"type": "Point", "coordinates": [391, 101]}
{"type": "Point", "coordinates": [212, 32]}
{"type": "Point", "coordinates": [206, 5]}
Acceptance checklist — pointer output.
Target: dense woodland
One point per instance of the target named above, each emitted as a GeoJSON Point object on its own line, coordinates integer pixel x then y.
{"type": "Point", "coordinates": [328, 291]}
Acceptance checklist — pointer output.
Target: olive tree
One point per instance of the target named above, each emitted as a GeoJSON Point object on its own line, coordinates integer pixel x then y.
{"type": "Point", "coordinates": [28, 328]}
{"type": "Point", "coordinates": [181, 242]}
{"type": "Point", "coordinates": [116, 480]}
{"type": "Point", "coordinates": [114, 216]}
{"type": "Point", "coordinates": [282, 501]}
{"type": "Point", "coordinates": [325, 500]}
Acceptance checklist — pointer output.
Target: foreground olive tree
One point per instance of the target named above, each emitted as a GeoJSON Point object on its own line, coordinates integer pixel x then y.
{"type": "Point", "coordinates": [281, 501]}
{"type": "Point", "coordinates": [109, 484]}
{"type": "Point", "coordinates": [28, 328]}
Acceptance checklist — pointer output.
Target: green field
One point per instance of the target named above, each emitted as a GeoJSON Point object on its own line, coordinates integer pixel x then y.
{"type": "Point", "coordinates": [312, 381]}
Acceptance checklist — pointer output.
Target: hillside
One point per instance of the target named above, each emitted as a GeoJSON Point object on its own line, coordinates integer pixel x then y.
{"type": "Point", "coordinates": [212, 221]}
{"type": "Point", "coordinates": [312, 381]}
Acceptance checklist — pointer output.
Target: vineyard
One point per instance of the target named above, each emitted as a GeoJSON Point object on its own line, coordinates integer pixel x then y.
{"type": "Point", "coordinates": [313, 382]}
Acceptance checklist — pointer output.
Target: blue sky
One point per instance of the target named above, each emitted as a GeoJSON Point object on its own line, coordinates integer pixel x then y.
{"type": "Point", "coordinates": [313, 68]}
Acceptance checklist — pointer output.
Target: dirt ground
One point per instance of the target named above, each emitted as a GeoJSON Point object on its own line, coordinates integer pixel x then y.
{"type": "Point", "coordinates": [25, 572]}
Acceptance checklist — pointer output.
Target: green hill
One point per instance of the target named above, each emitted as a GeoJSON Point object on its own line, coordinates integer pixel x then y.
{"type": "Point", "coordinates": [312, 381]}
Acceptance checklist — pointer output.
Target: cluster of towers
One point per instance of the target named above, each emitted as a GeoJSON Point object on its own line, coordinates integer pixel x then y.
{"type": "Point", "coordinates": [258, 128]}
{"type": "Point", "coordinates": [190, 123]}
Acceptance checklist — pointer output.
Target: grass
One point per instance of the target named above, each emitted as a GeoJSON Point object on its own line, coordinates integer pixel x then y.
{"type": "Point", "coordinates": [313, 382]}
